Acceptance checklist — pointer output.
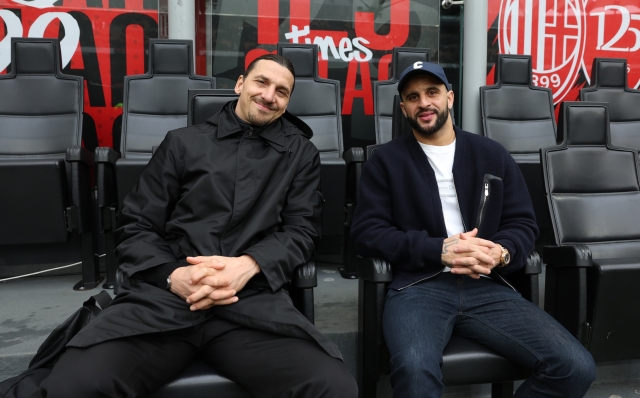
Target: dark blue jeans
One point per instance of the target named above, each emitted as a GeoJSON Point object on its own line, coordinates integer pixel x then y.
{"type": "Point", "coordinates": [419, 320]}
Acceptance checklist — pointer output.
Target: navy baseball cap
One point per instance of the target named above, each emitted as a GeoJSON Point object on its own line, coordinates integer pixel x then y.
{"type": "Point", "coordinates": [422, 67]}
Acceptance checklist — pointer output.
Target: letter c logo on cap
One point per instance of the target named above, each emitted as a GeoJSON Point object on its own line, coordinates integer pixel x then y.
{"type": "Point", "coordinates": [417, 65]}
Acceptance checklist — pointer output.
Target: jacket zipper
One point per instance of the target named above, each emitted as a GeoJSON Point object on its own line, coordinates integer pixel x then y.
{"type": "Point", "coordinates": [423, 279]}
{"type": "Point", "coordinates": [484, 202]}
{"type": "Point", "coordinates": [505, 281]}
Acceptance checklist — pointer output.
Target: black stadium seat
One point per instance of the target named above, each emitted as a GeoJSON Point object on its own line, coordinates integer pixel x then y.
{"type": "Point", "coordinates": [44, 172]}
{"type": "Point", "coordinates": [317, 102]}
{"type": "Point", "coordinates": [199, 379]}
{"type": "Point", "coordinates": [593, 191]}
{"type": "Point", "coordinates": [520, 116]}
{"type": "Point", "coordinates": [609, 84]}
{"type": "Point", "coordinates": [154, 103]}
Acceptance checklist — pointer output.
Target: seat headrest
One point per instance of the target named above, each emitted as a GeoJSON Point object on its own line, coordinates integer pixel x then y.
{"type": "Point", "coordinates": [584, 123]}
{"type": "Point", "coordinates": [513, 69]}
{"type": "Point", "coordinates": [171, 57]}
{"type": "Point", "coordinates": [205, 103]}
{"type": "Point", "coordinates": [404, 57]}
{"type": "Point", "coordinates": [609, 72]}
{"type": "Point", "coordinates": [35, 56]}
{"type": "Point", "coordinates": [304, 58]}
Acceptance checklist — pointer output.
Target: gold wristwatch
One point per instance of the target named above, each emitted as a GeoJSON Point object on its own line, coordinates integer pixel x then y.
{"type": "Point", "coordinates": [505, 257]}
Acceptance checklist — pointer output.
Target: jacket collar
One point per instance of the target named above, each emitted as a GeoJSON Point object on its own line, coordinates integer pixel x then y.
{"type": "Point", "coordinates": [274, 133]}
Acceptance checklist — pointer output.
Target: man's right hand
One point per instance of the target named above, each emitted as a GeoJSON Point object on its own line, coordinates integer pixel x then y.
{"type": "Point", "coordinates": [467, 255]}
{"type": "Point", "coordinates": [182, 286]}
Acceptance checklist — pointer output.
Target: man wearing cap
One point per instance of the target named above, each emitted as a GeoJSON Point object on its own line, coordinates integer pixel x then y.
{"type": "Point", "coordinates": [422, 198]}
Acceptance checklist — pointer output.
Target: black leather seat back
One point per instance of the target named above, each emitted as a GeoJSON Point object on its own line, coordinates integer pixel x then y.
{"type": "Point", "coordinates": [399, 123]}
{"type": "Point", "coordinates": [609, 84]}
{"type": "Point", "coordinates": [384, 91]}
{"type": "Point", "coordinates": [516, 113]}
{"type": "Point", "coordinates": [156, 102]}
{"type": "Point", "coordinates": [204, 103]}
{"type": "Point", "coordinates": [520, 116]}
{"type": "Point", "coordinates": [40, 117]}
{"type": "Point", "coordinates": [315, 100]}
{"type": "Point", "coordinates": [592, 185]}
{"type": "Point", "coordinates": [41, 109]}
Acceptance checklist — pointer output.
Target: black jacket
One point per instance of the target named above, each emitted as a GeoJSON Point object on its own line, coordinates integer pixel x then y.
{"type": "Point", "coordinates": [216, 189]}
{"type": "Point", "coordinates": [399, 213]}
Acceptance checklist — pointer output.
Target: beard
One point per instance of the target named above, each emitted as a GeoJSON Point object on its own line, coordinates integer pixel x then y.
{"type": "Point", "coordinates": [255, 118]}
{"type": "Point", "coordinates": [427, 131]}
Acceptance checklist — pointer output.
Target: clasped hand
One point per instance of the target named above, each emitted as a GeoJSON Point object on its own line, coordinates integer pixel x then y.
{"type": "Point", "coordinates": [467, 255]}
{"type": "Point", "coordinates": [212, 280]}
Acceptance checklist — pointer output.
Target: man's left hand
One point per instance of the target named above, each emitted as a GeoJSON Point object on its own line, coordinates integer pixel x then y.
{"type": "Point", "coordinates": [236, 273]}
{"type": "Point", "coordinates": [475, 268]}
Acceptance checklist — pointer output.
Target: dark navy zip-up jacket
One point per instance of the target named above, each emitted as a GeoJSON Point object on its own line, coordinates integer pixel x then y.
{"type": "Point", "coordinates": [399, 214]}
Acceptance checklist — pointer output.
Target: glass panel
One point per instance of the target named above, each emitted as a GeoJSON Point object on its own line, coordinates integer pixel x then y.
{"type": "Point", "coordinates": [355, 37]}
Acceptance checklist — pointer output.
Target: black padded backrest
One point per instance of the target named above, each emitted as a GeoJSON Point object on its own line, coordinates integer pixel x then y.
{"type": "Point", "coordinates": [156, 102]}
{"type": "Point", "coordinates": [204, 103]}
{"type": "Point", "coordinates": [592, 186]}
{"type": "Point", "coordinates": [609, 84]}
{"type": "Point", "coordinates": [384, 91]}
{"type": "Point", "coordinates": [514, 112]}
{"type": "Point", "coordinates": [399, 123]}
{"type": "Point", "coordinates": [315, 100]}
{"type": "Point", "coordinates": [41, 109]}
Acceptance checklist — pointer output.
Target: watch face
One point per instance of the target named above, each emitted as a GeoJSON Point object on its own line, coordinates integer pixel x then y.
{"type": "Point", "coordinates": [507, 257]}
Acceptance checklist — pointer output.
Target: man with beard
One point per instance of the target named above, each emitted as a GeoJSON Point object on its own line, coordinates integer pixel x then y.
{"type": "Point", "coordinates": [419, 204]}
{"type": "Point", "coordinates": [207, 240]}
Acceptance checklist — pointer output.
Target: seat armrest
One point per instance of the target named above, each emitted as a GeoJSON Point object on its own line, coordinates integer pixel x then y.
{"type": "Point", "coordinates": [533, 265]}
{"type": "Point", "coordinates": [568, 256]}
{"type": "Point", "coordinates": [79, 154]}
{"type": "Point", "coordinates": [354, 155]}
{"type": "Point", "coordinates": [374, 269]}
{"type": "Point", "coordinates": [104, 154]}
{"type": "Point", "coordinates": [305, 276]}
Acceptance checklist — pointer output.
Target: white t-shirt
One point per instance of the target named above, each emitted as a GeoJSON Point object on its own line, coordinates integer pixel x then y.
{"type": "Point", "coordinates": [441, 161]}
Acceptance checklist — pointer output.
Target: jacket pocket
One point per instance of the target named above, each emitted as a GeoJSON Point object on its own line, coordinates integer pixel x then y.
{"type": "Point", "coordinates": [490, 207]}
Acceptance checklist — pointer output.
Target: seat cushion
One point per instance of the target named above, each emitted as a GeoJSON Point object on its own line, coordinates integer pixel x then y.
{"type": "Point", "coordinates": [199, 380]}
{"type": "Point", "coordinates": [468, 362]}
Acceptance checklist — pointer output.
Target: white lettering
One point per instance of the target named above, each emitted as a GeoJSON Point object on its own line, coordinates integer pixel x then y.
{"type": "Point", "coordinates": [14, 29]}
{"type": "Point", "coordinates": [69, 43]}
{"type": "Point", "coordinates": [347, 49]}
{"type": "Point", "coordinates": [357, 43]}
{"type": "Point", "coordinates": [624, 27]}
{"type": "Point", "coordinates": [345, 46]}
{"type": "Point", "coordinates": [295, 34]}
{"type": "Point", "coordinates": [417, 65]}
{"type": "Point", "coordinates": [36, 3]}
{"type": "Point", "coordinates": [325, 44]}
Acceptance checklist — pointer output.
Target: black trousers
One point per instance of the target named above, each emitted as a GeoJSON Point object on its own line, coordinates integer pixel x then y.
{"type": "Point", "coordinates": [265, 364]}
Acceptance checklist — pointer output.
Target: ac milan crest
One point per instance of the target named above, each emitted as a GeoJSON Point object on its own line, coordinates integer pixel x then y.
{"type": "Point", "coordinates": [553, 32]}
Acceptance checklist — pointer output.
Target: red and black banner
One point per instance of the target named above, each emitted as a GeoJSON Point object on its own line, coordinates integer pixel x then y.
{"type": "Point", "coordinates": [100, 40]}
{"type": "Point", "coordinates": [564, 36]}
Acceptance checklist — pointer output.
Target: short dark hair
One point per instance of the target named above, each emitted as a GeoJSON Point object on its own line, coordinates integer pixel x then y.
{"type": "Point", "coordinates": [279, 59]}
